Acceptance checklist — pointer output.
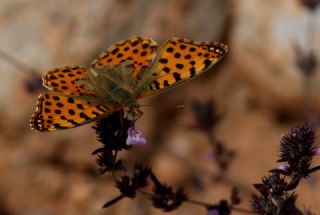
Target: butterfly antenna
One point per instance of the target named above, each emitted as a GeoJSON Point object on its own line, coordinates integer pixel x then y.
{"type": "Point", "coordinates": [33, 82]}
{"type": "Point", "coordinates": [15, 62]}
{"type": "Point", "coordinates": [179, 107]}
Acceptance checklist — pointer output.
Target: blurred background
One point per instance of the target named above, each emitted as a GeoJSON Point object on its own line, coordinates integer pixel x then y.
{"type": "Point", "coordinates": [267, 83]}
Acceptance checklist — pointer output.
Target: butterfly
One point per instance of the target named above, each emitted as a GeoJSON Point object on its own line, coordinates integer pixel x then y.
{"type": "Point", "coordinates": [129, 70]}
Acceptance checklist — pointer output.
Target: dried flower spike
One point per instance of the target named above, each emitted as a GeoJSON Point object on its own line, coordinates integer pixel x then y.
{"type": "Point", "coordinates": [297, 150]}
{"type": "Point", "coordinates": [306, 61]}
{"type": "Point", "coordinates": [112, 131]}
{"type": "Point", "coordinates": [275, 191]}
{"type": "Point", "coordinates": [164, 197]}
{"type": "Point", "coordinates": [205, 115]}
{"type": "Point", "coordinates": [310, 4]}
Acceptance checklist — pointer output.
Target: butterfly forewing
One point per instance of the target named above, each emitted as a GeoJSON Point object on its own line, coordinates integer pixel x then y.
{"type": "Point", "coordinates": [137, 50]}
{"type": "Point", "coordinates": [67, 80]}
{"type": "Point", "coordinates": [55, 111]}
{"type": "Point", "coordinates": [181, 59]}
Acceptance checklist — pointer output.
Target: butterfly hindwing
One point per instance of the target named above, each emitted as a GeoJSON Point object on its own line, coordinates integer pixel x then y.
{"type": "Point", "coordinates": [55, 111]}
{"type": "Point", "coordinates": [67, 80]}
{"type": "Point", "coordinates": [182, 59]}
{"type": "Point", "coordinates": [139, 51]}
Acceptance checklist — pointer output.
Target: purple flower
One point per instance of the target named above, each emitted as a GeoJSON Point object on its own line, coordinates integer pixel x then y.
{"type": "Point", "coordinates": [284, 167]}
{"type": "Point", "coordinates": [209, 157]}
{"type": "Point", "coordinates": [135, 137]}
{"type": "Point", "coordinates": [316, 151]}
{"type": "Point", "coordinates": [213, 212]}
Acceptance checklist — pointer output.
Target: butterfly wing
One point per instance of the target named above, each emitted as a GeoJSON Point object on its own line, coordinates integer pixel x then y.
{"type": "Point", "coordinates": [55, 111]}
{"type": "Point", "coordinates": [67, 80]}
{"type": "Point", "coordinates": [139, 51]}
{"type": "Point", "coordinates": [181, 59]}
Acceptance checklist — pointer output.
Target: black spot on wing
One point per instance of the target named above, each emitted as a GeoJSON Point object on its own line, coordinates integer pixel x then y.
{"type": "Point", "coordinates": [192, 49]}
{"type": "Point", "coordinates": [58, 126]}
{"type": "Point", "coordinates": [192, 71]}
{"type": "Point", "coordinates": [73, 122]}
{"type": "Point", "coordinates": [179, 66]}
{"type": "Point", "coordinates": [207, 63]}
{"type": "Point", "coordinates": [56, 98]}
{"type": "Point", "coordinates": [170, 49]}
{"type": "Point", "coordinates": [84, 116]}
{"type": "Point", "coordinates": [70, 100]}
{"type": "Point", "coordinates": [187, 57]}
{"type": "Point", "coordinates": [166, 83]}
{"type": "Point", "coordinates": [166, 69]}
{"type": "Point", "coordinates": [163, 60]}
{"type": "Point", "coordinates": [135, 42]}
{"type": "Point", "coordinates": [71, 112]}
{"type": "Point", "coordinates": [54, 84]}
{"type": "Point", "coordinates": [101, 108]}
{"type": "Point", "coordinates": [144, 53]}
{"type": "Point", "coordinates": [80, 106]}
{"type": "Point", "coordinates": [60, 104]}
{"type": "Point", "coordinates": [145, 45]}
{"type": "Point", "coordinates": [114, 51]}
{"type": "Point", "coordinates": [183, 47]}
{"type": "Point", "coordinates": [52, 77]}
{"type": "Point", "coordinates": [176, 76]}
{"type": "Point", "coordinates": [156, 85]}
{"type": "Point", "coordinates": [177, 55]}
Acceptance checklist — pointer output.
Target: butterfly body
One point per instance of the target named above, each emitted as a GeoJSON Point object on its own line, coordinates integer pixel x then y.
{"type": "Point", "coordinates": [129, 70]}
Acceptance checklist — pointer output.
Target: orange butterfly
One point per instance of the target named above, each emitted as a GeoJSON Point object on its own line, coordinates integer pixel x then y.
{"type": "Point", "coordinates": [129, 70]}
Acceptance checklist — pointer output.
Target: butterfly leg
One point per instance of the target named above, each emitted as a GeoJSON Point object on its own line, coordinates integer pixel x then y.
{"type": "Point", "coordinates": [137, 114]}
